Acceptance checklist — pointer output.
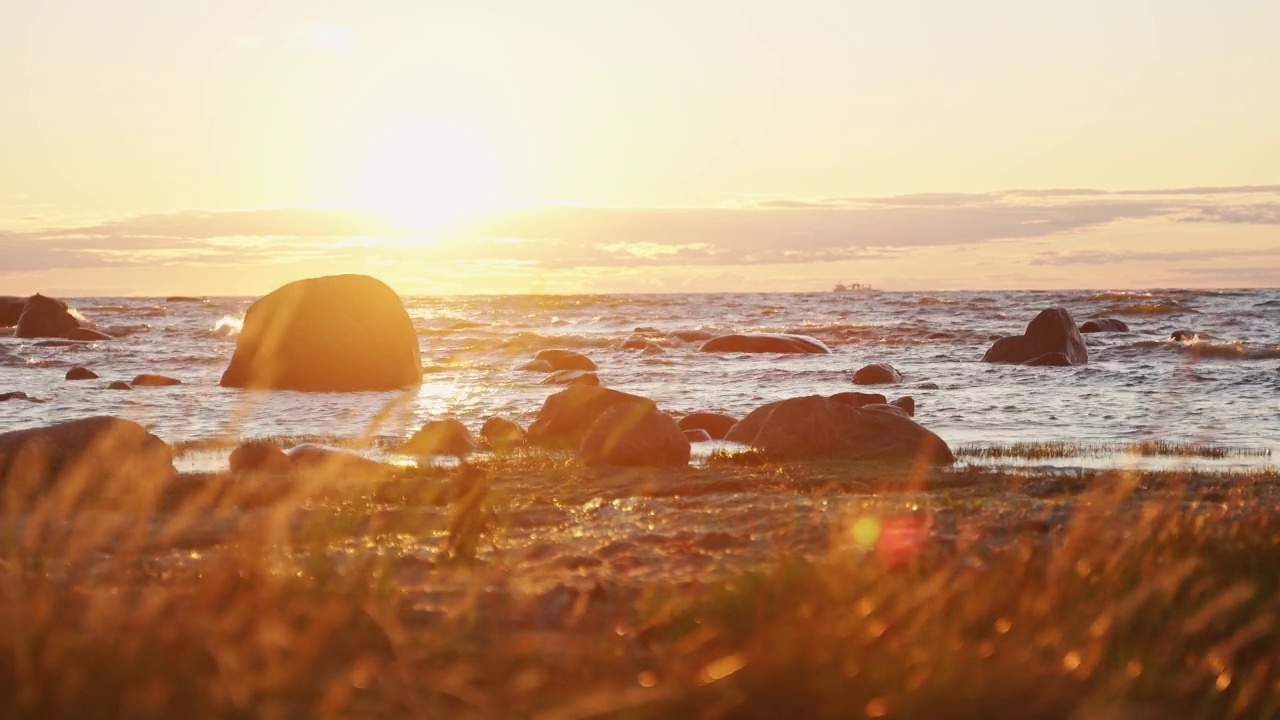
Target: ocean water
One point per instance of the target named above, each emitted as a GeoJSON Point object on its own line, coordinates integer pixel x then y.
{"type": "Point", "coordinates": [1222, 388]}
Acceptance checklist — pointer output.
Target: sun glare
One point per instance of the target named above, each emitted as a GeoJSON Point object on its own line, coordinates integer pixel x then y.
{"type": "Point", "coordinates": [427, 172]}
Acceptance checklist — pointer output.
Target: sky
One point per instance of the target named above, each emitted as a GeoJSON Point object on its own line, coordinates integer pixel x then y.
{"type": "Point", "coordinates": [156, 147]}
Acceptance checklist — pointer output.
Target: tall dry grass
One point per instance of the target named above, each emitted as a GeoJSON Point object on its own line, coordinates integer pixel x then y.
{"type": "Point", "coordinates": [273, 597]}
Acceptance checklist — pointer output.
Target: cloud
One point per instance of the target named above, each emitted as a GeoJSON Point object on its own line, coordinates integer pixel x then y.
{"type": "Point", "coordinates": [764, 232]}
{"type": "Point", "coordinates": [1101, 257]}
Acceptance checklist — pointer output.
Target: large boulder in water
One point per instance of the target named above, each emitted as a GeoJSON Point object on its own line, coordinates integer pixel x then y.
{"type": "Point", "coordinates": [566, 416]}
{"type": "Point", "coordinates": [764, 343]}
{"type": "Point", "coordinates": [815, 426]}
{"type": "Point", "coordinates": [330, 334]}
{"type": "Point", "coordinates": [89, 454]}
{"type": "Point", "coordinates": [45, 317]}
{"type": "Point", "coordinates": [1052, 331]}
{"type": "Point", "coordinates": [10, 310]}
{"type": "Point", "coordinates": [634, 435]}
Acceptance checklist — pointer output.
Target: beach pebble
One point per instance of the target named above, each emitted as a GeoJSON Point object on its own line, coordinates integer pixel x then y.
{"type": "Point", "coordinates": [877, 374]}
{"type": "Point", "coordinates": [81, 373]}
{"type": "Point", "coordinates": [714, 424]}
{"type": "Point", "coordinates": [1052, 331]}
{"type": "Point", "coordinates": [441, 437]}
{"type": "Point", "coordinates": [566, 360]}
{"type": "Point", "coordinates": [635, 436]}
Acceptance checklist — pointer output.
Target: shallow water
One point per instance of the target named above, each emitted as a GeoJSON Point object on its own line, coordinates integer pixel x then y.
{"type": "Point", "coordinates": [1223, 387]}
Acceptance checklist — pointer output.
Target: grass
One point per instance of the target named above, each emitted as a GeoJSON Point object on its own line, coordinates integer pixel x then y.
{"type": "Point", "coordinates": [1145, 448]}
{"type": "Point", "coordinates": [530, 586]}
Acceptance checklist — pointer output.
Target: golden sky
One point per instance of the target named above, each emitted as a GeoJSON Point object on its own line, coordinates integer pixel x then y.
{"type": "Point", "coordinates": [159, 147]}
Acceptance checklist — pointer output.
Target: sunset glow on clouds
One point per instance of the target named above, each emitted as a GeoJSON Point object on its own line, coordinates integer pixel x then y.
{"type": "Point", "coordinates": [589, 147]}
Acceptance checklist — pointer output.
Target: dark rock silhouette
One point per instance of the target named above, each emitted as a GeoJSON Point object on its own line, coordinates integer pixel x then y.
{"type": "Point", "coordinates": [45, 317]}
{"type": "Point", "coordinates": [10, 310]}
{"type": "Point", "coordinates": [81, 373]}
{"type": "Point", "coordinates": [149, 380]}
{"type": "Point", "coordinates": [1052, 331]}
{"type": "Point", "coordinates": [337, 333]}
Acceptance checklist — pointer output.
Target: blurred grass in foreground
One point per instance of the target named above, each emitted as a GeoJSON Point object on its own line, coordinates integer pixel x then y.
{"type": "Point", "coordinates": [922, 593]}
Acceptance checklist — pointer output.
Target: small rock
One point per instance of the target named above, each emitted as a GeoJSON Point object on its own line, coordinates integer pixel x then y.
{"type": "Point", "coordinates": [877, 374]}
{"type": "Point", "coordinates": [572, 377]}
{"type": "Point", "coordinates": [327, 460]}
{"type": "Point", "coordinates": [259, 456]}
{"type": "Point", "coordinates": [14, 396]}
{"type": "Point", "coordinates": [715, 425]}
{"type": "Point", "coordinates": [635, 436]}
{"type": "Point", "coordinates": [441, 437]}
{"type": "Point", "coordinates": [566, 416]}
{"type": "Point", "coordinates": [499, 433]}
{"type": "Point", "coordinates": [81, 373]}
{"type": "Point", "coordinates": [148, 380]}
{"type": "Point", "coordinates": [696, 436]}
{"type": "Point", "coordinates": [907, 403]}
{"type": "Point", "coordinates": [1103, 325]}
{"type": "Point", "coordinates": [1052, 331]}
{"type": "Point", "coordinates": [566, 360]}
{"type": "Point", "coordinates": [119, 385]}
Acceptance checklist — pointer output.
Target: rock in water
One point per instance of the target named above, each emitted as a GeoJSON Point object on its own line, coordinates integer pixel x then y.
{"type": "Point", "coordinates": [100, 449]}
{"type": "Point", "coordinates": [10, 310]}
{"type": "Point", "coordinates": [45, 317]}
{"type": "Point", "coordinates": [119, 385]}
{"type": "Point", "coordinates": [566, 416]}
{"type": "Point", "coordinates": [441, 437]}
{"type": "Point", "coordinates": [877, 374]}
{"type": "Point", "coordinates": [259, 456]}
{"type": "Point", "coordinates": [1103, 325]}
{"type": "Point", "coordinates": [1052, 331]}
{"type": "Point", "coordinates": [765, 343]}
{"type": "Point", "coordinates": [714, 424]}
{"type": "Point", "coordinates": [148, 380]}
{"type": "Point", "coordinates": [338, 333]}
{"type": "Point", "coordinates": [566, 360]}
{"type": "Point", "coordinates": [815, 426]}
{"type": "Point", "coordinates": [498, 433]}
{"type": "Point", "coordinates": [1056, 359]}
{"type": "Point", "coordinates": [634, 435]}
{"type": "Point", "coordinates": [572, 377]}
{"type": "Point", "coordinates": [88, 334]}
{"type": "Point", "coordinates": [81, 373]}
{"type": "Point", "coordinates": [907, 403]}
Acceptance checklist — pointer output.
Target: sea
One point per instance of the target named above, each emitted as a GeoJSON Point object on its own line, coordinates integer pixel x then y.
{"type": "Point", "coordinates": [1220, 385]}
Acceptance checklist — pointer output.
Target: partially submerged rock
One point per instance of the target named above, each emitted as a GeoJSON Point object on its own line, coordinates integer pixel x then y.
{"type": "Point", "coordinates": [441, 437]}
{"type": "Point", "coordinates": [566, 359]}
{"type": "Point", "coordinates": [10, 310]}
{"type": "Point", "coordinates": [714, 424]}
{"type": "Point", "coordinates": [329, 334]}
{"type": "Point", "coordinates": [151, 380]}
{"type": "Point", "coordinates": [119, 385]}
{"type": "Point", "coordinates": [45, 317]}
{"type": "Point", "coordinates": [907, 403]}
{"type": "Point", "coordinates": [88, 334]}
{"type": "Point", "coordinates": [877, 374]}
{"type": "Point", "coordinates": [572, 377]}
{"type": "Point", "coordinates": [764, 343]}
{"type": "Point", "coordinates": [1101, 325]}
{"type": "Point", "coordinates": [566, 416]}
{"type": "Point", "coordinates": [1052, 331]}
{"type": "Point", "coordinates": [259, 456]}
{"type": "Point", "coordinates": [634, 435]}
{"type": "Point", "coordinates": [816, 427]}
{"type": "Point", "coordinates": [81, 373]}
{"type": "Point", "coordinates": [1055, 359]}
{"type": "Point", "coordinates": [500, 433]}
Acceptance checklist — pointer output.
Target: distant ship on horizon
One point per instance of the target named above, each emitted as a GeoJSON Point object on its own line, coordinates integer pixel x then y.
{"type": "Point", "coordinates": [853, 287]}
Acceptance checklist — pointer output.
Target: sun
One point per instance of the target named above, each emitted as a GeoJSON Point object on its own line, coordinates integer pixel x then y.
{"type": "Point", "coordinates": [426, 172]}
